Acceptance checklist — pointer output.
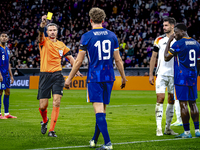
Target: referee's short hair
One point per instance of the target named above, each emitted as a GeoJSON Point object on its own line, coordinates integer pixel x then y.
{"type": "Point", "coordinates": [181, 26]}
{"type": "Point", "coordinates": [52, 24]}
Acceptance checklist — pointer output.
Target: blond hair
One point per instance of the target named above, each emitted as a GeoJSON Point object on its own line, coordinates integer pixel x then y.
{"type": "Point", "coordinates": [97, 15]}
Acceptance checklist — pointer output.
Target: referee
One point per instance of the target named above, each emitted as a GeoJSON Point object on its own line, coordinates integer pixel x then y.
{"type": "Point", "coordinates": [51, 78]}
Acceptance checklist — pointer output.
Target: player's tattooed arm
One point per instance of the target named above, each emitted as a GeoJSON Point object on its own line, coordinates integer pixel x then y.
{"type": "Point", "coordinates": [167, 54]}
{"type": "Point", "coordinates": [41, 29]}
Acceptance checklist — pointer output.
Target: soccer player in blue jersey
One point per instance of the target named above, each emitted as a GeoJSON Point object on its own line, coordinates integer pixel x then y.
{"type": "Point", "coordinates": [5, 75]}
{"type": "Point", "coordinates": [101, 46]}
{"type": "Point", "coordinates": [186, 53]}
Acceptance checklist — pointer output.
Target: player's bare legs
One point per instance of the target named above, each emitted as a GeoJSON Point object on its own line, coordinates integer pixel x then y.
{"type": "Point", "coordinates": [194, 111]}
{"type": "Point", "coordinates": [159, 113]}
{"type": "Point", "coordinates": [184, 112]}
{"type": "Point", "coordinates": [54, 114]}
{"type": "Point", "coordinates": [100, 111]}
{"type": "Point", "coordinates": [195, 116]}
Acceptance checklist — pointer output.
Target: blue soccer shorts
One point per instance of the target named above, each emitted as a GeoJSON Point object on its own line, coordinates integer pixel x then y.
{"type": "Point", "coordinates": [185, 93]}
{"type": "Point", "coordinates": [5, 84]}
{"type": "Point", "coordinates": [99, 92]}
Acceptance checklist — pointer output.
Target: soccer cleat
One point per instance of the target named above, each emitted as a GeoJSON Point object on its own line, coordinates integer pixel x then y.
{"type": "Point", "coordinates": [183, 135]}
{"type": "Point", "coordinates": [177, 124]}
{"type": "Point", "coordinates": [44, 126]}
{"type": "Point", "coordinates": [2, 117]}
{"type": "Point", "coordinates": [52, 134]}
{"type": "Point", "coordinates": [10, 116]}
{"type": "Point", "coordinates": [197, 134]}
{"type": "Point", "coordinates": [108, 146]}
{"type": "Point", "coordinates": [170, 132]}
{"type": "Point", "coordinates": [159, 132]}
{"type": "Point", "coordinates": [92, 143]}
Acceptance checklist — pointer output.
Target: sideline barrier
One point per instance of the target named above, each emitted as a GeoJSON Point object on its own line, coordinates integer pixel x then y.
{"type": "Point", "coordinates": [21, 82]}
{"type": "Point", "coordinates": [134, 83]}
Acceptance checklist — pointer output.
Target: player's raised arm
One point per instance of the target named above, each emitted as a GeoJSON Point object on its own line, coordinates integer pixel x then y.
{"type": "Point", "coordinates": [41, 29]}
{"type": "Point", "coordinates": [120, 67]}
{"type": "Point", "coordinates": [151, 68]}
{"type": "Point", "coordinates": [168, 55]}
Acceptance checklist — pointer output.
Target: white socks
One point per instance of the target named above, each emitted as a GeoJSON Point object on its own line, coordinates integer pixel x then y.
{"type": "Point", "coordinates": [178, 110]}
{"type": "Point", "coordinates": [196, 130]}
{"type": "Point", "coordinates": [5, 114]}
{"type": "Point", "coordinates": [159, 114]}
{"type": "Point", "coordinates": [169, 115]}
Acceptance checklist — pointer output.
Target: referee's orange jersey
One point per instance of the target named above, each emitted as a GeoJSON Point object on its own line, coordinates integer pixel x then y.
{"type": "Point", "coordinates": [51, 54]}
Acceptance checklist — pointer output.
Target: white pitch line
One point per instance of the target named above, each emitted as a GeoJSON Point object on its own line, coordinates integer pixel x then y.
{"type": "Point", "coordinates": [124, 143]}
{"type": "Point", "coordinates": [87, 106]}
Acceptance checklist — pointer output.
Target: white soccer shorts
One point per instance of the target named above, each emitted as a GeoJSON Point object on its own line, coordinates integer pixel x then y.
{"type": "Point", "coordinates": [163, 82]}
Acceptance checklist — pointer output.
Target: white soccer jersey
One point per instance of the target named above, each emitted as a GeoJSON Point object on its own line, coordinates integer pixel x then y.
{"type": "Point", "coordinates": [163, 67]}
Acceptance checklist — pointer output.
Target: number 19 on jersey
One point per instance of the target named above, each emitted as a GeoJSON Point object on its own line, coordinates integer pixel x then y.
{"type": "Point", "coordinates": [102, 48]}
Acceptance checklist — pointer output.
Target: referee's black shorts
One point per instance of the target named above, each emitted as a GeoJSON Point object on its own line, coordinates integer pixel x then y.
{"type": "Point", "coordinates": [50, 82]}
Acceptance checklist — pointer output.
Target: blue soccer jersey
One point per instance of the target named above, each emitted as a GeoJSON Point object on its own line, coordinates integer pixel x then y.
{"type": "Point", "coordinates": [186, 52]}
{"type": "Point", "coordinates": [4, 60]}
{"type": "Point", "coordinates": [100, 44]}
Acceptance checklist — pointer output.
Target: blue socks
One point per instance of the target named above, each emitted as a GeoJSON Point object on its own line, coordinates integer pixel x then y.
{"type": "Point", "coordinates": [0, 104]}
{"type": "Point", "coordinates": [6, 103]}
{"type": "Point", "coordinates": [196, 125]}
{"type": "Point", "coordinates": [97, 132]}
{"type": "Point", "coordinates": [102, 124]}
{"type": "Point", "coordinates": [186, 126]}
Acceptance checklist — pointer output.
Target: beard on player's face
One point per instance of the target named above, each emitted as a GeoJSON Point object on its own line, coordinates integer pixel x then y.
{"type": "Point", "coordinates": [167, 31]}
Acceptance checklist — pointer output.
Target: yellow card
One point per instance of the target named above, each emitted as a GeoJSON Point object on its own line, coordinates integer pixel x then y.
{"type": "Point", "coordinates": [49, 15]}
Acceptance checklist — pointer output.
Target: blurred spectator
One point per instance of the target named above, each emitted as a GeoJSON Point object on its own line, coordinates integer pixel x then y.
{"type": "Point", "coordinates": [136, 33]}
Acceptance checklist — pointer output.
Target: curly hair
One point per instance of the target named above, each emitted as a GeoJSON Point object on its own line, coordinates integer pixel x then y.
{"type": "Point", "coordinates": [97, 15]}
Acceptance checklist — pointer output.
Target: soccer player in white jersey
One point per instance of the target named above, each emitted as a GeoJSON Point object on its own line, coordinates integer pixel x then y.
{"type": "Point", "coordinates": [165, 77]}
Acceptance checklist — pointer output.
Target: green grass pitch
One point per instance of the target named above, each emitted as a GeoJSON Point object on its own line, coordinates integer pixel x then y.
{"type": "Point", "coordinates": [130, 118]}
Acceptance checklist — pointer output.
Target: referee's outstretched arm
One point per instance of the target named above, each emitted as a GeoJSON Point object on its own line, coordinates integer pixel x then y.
{"type": "Point", "coordinates": [41, 29]}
